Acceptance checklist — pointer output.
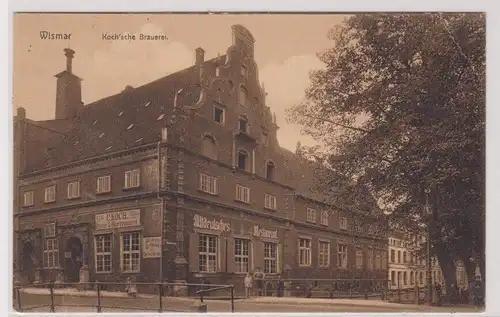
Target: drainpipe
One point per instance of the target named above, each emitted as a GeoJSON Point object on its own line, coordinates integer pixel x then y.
{"type": "Point", "coordinates": [158, 152]}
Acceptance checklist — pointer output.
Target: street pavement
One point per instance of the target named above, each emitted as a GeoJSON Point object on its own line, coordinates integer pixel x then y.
{"type": "Point", "coordinates": [70, 300]}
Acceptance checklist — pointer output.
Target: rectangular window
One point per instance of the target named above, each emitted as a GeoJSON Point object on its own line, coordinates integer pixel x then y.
{"type": "Point", "coordinates": [131, 252]}
{"type": "Point", "coordinates": [405, 278]}
{"type": "Point", "coordinates": [270, 257]}
{"type": "Point", "coordinates": [311, 215]}
{"type": "Point", "coordinates": [132, 178]}
{"type": "Point", "coordinates": [73, 190]}
{"type": "Point", "coordinates": [242, 160]}
{"type": "Point", "coordinates": [342, 256]}
{"type": "Point", "coordinates": [343, 223]}
{"type": "Point", "coordinates": [324, 253]}
{"type": "Point", "coordinates": [50, 254]}
{"type": "Point", "coordinates": [208, 184]}
{"type": "Point", "coordinates": [399, 256]}
{"type": "Point", "coordinates": [304, 252]}
{"type": "Point", "coordinates": [270, 201]}
{"type": "Point", "coordinates": [241, 253]}
{"type": "Point", "coordinates": [421, 277]}
{"type": "Point", "coordinates": [393, 256]}
{"type": "Point", "coordinates": [207, 253]}
{"type": "Point", "coordinates": [324, 218]}
{"type": "Point", "coordinates": [49, 230]}
{"type": "Point", "coordinates": [265, 139]}
{"type": "Point", "coordinates": [103, 184]}
{"type": "Point", "coordinates": [412, 278]}
{"type": "Point", "coordinates": [50, 194]}
{"type": "Point", "coordinates": [243, 125]}
{"type": "Point", "coordinates": [29, 198]}
{"type": "Point", "coordinates": [369, 261]}
{"type": "Point", "coordinates": [393, 278]}
{"type": "Point", "coordinates": [218, 114]}
{"type": "Point", "coordinates": [103, 253]}
{"type": "Point", "coordinates": [378, 260]}
{"type": "Point", "coordinates": [359, 259]}
{"type": "Point", "coordinates": [242, 193]}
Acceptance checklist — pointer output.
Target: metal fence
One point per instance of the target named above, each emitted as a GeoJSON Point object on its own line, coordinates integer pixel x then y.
{"type": "Point", "coordinates": [114, 297]}
{"type": "Point", "coordinates": [325, 288]}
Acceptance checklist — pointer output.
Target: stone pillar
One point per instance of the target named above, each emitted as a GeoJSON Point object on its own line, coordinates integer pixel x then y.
{"type": "Point", "coordinates": [84, 270]}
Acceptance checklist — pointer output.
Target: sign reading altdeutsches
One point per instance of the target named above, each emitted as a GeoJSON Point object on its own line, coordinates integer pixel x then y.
{"type": "Point", "coordinates": [204, 223]}
{"type": "Point", "coordinates": [118, 219]}
{"type": "Point", "coordinates": [151, 247]}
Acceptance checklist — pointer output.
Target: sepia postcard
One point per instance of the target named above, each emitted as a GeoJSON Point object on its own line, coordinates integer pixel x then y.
{"type": "Point", "coordinates": [249, 162]}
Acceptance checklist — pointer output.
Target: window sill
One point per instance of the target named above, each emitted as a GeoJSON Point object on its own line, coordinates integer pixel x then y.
{"type": "Point", "coordinates": [131, 272]}
{"type": "Point", "coordinates": [49, 202]}
{"type": "Point", "coordinates": [104, 272]}
{"type": "Point", "coordinates": [103, 193]}
{"type": "Point", "coordinates": [311, 222]}
{"type": "Point", "coordinates": [241, 201]}
{"type": "Point", "coordinates": [125, 189]}
{"type": "Point", "coordinates": [73, 198]}
{"type": "Point", "coordinates": [270, 209]}
{"type": "Point", "coordinates": [305, 265]}
{"type": "Point", "coordinates": [28, 206]}
{"type": "Point", "coordinates": [208, 193]}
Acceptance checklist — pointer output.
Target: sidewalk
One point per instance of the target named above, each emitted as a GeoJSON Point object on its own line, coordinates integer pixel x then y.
{"type": "Point", "coordinates": [343, 302]}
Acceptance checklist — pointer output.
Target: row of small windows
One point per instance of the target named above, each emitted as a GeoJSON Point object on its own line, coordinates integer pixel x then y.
{"type": "Point", "coordinates": [400, 278]}
{"type": "Point", "coordinates": [414, 259]}
{"type": "Point", "coordinates": [103, 185]}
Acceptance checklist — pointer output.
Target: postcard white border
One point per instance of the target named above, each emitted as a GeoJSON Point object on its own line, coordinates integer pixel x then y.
{"type": "Point", "coordinates": [493, 104]}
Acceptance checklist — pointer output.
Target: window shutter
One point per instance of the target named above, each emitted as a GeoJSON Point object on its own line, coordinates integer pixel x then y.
{"type": "Point", "coordinates": [279, 254]}
{"type": "Point", "coordinates": [231, 265]}
{"type": "Point", "coordinates": [193, 252]}
{"type": "Point", "coordinates": [223, 257]}
{"type": "Point", "coordinates": [258, 254]}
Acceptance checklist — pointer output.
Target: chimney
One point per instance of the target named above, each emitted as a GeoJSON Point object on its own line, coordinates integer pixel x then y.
{"type": "Point", "coordinates": [69, 90]}
{"type": "Point", "coordinates": [200, 60]}
{"type": "Point", "coordinates": [69, 53]}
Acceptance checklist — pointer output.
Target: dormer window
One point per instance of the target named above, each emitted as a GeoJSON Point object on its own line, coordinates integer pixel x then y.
{"type": "Point", "coordinates": [242, 96]}
{"type": "Point", "coordinates": [270, 170]}
{"type": "Point", "coordinates": [243, 124]}
{"type": "Point", "coordinates": [242, 160]}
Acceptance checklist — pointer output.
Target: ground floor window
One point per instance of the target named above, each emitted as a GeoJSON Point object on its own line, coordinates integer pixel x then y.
{"type": "Point", "coordinates": [421, 277]}
{"type": "Point", "coordinates": [393, 278]}
{"type": "Point", "coordinates": [342, 256]}
{"type": "Point", "coordinates": [405, 278]}
{"type": "Point", "coordinates": [207, 253]}
{"type": "Point", "coordinates": [359, 259]}
{"type": "Point", "coordinates": [270, 257]}
{"type": "Point", "coordinates": [103, 253]}
{"type": "Point", "coordinates": [50, 254]}
{"type": "Point", "coordinates": [304, 252]}
{"type": "Point", "coordinates": [324, 253]}
{"type": "Point", "coordinates": [412, 278]}
{"type": "Point", "coordinates": [241, 253]}
{"type": "Point", "coordinates": [130, 251]}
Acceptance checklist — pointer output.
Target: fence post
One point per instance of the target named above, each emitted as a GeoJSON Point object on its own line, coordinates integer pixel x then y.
{"type": "Point", "coordinates": [98, 297]}
{"type": "Point", "coordinates": [52, 307]}
{"type": "Point", "coordinates": [160, 295]}
{"type": "Point", "coordinates": [232, 298]}
{"type": "Point", "coordinates": [399, 291]}
{"type": "Point", "coordinates": [18, 295]}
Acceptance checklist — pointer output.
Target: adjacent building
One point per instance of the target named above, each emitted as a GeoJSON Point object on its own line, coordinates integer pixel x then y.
{"type": "Point", "coordinates": [179, 179]}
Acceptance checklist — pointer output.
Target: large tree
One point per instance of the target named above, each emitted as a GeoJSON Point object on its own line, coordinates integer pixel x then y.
{"type": "Point", "coordinates": [400, 108]}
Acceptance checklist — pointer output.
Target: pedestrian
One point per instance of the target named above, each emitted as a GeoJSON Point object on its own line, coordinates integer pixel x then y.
{"type": "Point", "coordinates": [439, 293]}
{"type": "Point", "coordinates": [131, 289]}
{"type": "Point", "coordinates": [477, 291]}
{"type": "Point", "coordinates": [248, 281]}
{"type": "Point", "coordinates": [258, 276]}
{"type": "Point", "coordinates": [281, 286]}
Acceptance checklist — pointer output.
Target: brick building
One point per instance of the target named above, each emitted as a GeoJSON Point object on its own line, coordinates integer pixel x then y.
{"type": "Point", "coordinates": [188, 167]}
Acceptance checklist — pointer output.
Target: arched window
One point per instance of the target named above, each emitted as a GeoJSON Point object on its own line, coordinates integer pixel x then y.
{"type": "Point", "coordinates": [242, 96]}
{"type": "Point", "coordinates": [209, 147]}
{"type": "Point", "coordinates": [270, 170]}
{"type": "Point", "coordinates": [242, 160]}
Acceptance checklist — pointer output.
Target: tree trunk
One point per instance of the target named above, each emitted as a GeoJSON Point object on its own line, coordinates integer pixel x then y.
{"type": "Point", "coordinates": [447, 266]}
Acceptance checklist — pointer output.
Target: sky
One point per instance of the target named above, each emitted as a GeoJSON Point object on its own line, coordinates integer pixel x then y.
{"type": "Point", "coordinates": [285, 52]}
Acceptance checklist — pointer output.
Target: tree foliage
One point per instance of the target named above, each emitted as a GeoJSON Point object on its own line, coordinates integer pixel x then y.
{"type": "Point", "coordinates": [400, 108]}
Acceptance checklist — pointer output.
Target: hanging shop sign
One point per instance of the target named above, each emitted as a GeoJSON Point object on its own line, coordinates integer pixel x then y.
{"type": "Point", "coordinates": [151, 247]}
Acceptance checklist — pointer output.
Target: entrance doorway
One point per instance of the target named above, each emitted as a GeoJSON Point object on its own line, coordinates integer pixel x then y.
{"type": "Point", "coordinates": [28, 263]}
{"type": "Point", "coordinates": [73, 260]}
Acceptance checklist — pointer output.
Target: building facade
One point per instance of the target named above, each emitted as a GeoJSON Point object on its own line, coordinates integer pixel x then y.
{"type": "Point", "coordinates": [180, 179]}
{"type": "Point", "coordinates": [407, 264]}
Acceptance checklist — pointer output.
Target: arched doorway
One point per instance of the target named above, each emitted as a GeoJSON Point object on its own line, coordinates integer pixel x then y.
{"type": "Point", "coordinates": [73, 260]}
{"type": "Point", "coordinates": [28, 263]}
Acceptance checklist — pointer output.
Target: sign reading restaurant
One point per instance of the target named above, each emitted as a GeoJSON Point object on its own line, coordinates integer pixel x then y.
{"type": "Point", "coordinates": [264, 233]}
{"type": "Point", "coordinates": [118, 219]}
{"type": "Point", "coordinates": [204, 223]}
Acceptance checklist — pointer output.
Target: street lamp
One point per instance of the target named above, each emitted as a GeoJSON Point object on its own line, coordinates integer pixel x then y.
{"type": "Point", "coordinates": [428, 214]}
